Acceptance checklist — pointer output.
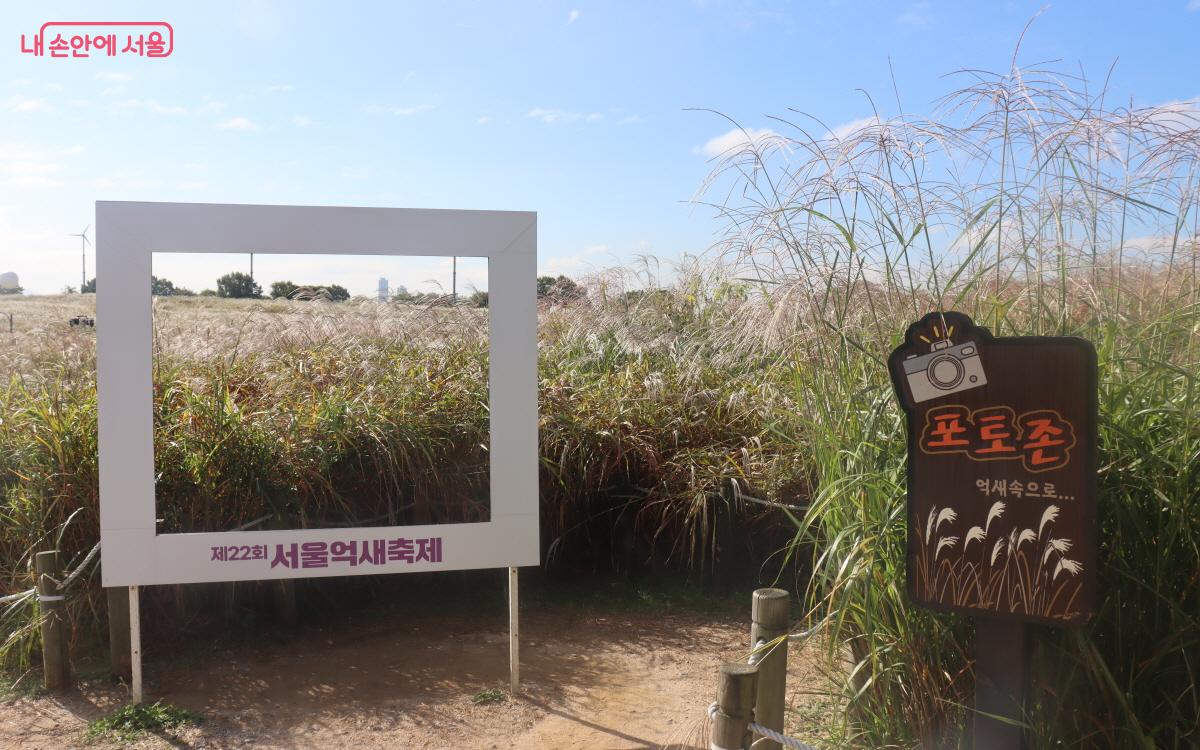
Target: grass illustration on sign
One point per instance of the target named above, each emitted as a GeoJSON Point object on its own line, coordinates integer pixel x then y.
{"type": "Point", "coordinates": [1017, 570]}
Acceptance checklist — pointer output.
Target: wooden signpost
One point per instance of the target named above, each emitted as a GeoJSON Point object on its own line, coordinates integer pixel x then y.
{"type": "Point", "coordinates": [1001, 492]}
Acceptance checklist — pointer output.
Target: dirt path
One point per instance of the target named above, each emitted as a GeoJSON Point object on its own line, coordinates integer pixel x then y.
{"type": "Point", "coordinates": [591, 679]}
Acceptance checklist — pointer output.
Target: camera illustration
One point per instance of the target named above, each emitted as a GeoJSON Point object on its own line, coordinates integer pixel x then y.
{"type": "Point", "coordinates": [944, 370]}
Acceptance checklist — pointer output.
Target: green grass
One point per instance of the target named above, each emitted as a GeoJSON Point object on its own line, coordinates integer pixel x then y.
{"type": "Point", "coordinates": [489, 696]}
{"type": "Point", "coordinates": [20, 684]}
{"type": "Point", "coordinates": [131, 721]}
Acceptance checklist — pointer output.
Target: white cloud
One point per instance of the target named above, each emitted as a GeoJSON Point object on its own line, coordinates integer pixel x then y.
{"type": "Point", "coordinates": [916, 16]}
{"type": "Point", "coordinates": [165, 109]}
{"type": "Point", "coordinates": [573, 16]}
{"type": "Point", "coordinates": [736, 140]}
{"type": "Point", "coordinates": [114, 77]}
{"type": "Point", "coordinates": [566, 264]}
{"type": "Point", "coordinates": [54, 87]}
{"type": "Point", "coordinates": [29, 168]}
{"type": "Point", "coordinates": [31, 173]}
{"type": "Point", "coordinates": [28, 165]}
{"type": "Point", "coordinates": [1148, 250]}
{"type": "Point", "coordinates": [376, 109]}
{"type": "Point", "coordinates": [112, 91]}
{"type": "Point", "coordinates": [211, 105]}
{"type": "Point", "coordinates": [279, 87]}
{"type": "Point", "coordinates": [20, 82]}
{"type": "Point", "coordinates": [151, 105]}
{"type": "Point", "coordinates": [236, 123]}
{"type": "Point", "coordinates": [1177, 116]}
{"type": "Point", "coordinates": [847, 129]}
{"type": "Point", "coordinates": [21, 103]}
{"type": "Point", "coordinates": [302, 121]}
{"type": "Point", "coordinates": [631, 120]}
{"type": "Point", "coordinates": [1193, 6]}
{"type": "Point", "coordinates": [483, 120]}
{"type": "Point", "coordinates": [554, 116]}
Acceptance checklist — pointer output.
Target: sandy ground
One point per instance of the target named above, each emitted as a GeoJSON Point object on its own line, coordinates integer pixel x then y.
{"type": "Point", "coordinates": [591, 679]}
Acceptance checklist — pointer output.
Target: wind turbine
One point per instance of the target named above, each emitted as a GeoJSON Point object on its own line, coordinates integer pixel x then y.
{"type": "Point", "coordinates": [84, 242]}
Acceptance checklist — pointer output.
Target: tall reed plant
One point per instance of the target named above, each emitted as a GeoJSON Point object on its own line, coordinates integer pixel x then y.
{"type": "Point", "coordinates": [1036, 202]}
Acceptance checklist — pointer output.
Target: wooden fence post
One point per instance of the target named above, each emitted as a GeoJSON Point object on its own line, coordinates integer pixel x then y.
{"type": "Point", "coordinates": [120, 661]}
{"type": "Point", "coordinates": [56, 663]}
{"type": "Point", "coordinates": [771, 613]}
{"type": "Point", "coordinates": [736, 688]}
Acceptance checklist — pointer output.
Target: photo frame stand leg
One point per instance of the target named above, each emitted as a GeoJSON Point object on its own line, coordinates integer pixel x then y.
{"type": "Point", "coordinates": [1001, 660]}
{"type": "Point", "coordinates": [514, 635]}
{"type": "Point", "coordinates": [135, 645]}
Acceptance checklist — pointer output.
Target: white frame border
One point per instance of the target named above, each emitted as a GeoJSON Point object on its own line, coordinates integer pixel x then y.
{"type": "Point", "coordinates": [128, 233]}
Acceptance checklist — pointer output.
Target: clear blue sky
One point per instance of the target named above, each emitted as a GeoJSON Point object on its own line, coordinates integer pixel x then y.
{"type": "Point", "coordinates": [575, 110]}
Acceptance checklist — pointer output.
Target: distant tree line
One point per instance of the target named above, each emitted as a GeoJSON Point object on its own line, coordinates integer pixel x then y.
{"type": "Point", "coordinates": [549, 288]}
{"type": "Point", "coordinates": [288, 290]}
{"type": "Point", "coordinates": [475, 299]}
{"type": "Point", "coordinates": [421, 298]}
{"type": "Point", "coordinates": [158, 287]}
{"type": "Point", "coordinates": [239, 285]}
{"type": "Point", "coordinates": [560, 289]}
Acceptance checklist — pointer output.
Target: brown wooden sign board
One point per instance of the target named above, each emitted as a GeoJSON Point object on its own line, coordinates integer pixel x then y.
{"type": "Point", "coordinates": [1001, 470]}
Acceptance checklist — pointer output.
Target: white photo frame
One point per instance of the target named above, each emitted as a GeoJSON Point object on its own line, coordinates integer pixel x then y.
{"type": "Point", "coordinates": [128, 233]}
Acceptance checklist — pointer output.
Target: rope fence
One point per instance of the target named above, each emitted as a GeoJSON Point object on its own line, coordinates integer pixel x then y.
{"type": "Point", "coordinates": [74, 574]}
{"type": "Point", "coordinates": [762, 731]}
{"type": "Point", "coordinates": [751, 695]}
{"type": "Point", "coordinates": [95, 550]}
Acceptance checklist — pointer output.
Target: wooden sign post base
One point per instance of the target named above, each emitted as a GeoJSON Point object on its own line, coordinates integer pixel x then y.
{"type": "Point", "coordinates": [1001, 656]}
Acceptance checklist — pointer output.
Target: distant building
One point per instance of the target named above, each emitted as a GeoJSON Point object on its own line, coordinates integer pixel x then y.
{"type": "Point", "coordinates": [383, 289]}
{"type": "Point", "coordinates": [9, 280]}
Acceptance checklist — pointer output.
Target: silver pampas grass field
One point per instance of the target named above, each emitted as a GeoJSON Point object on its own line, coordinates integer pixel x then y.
{"type": "Point", "coordinates": [739, 411]}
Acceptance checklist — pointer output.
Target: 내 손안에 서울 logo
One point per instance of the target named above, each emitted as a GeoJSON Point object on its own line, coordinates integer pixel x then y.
{"type": "Point", "coordinates": [75, 39]}
{"type": "Point", "coordinates": [1001, 470]}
